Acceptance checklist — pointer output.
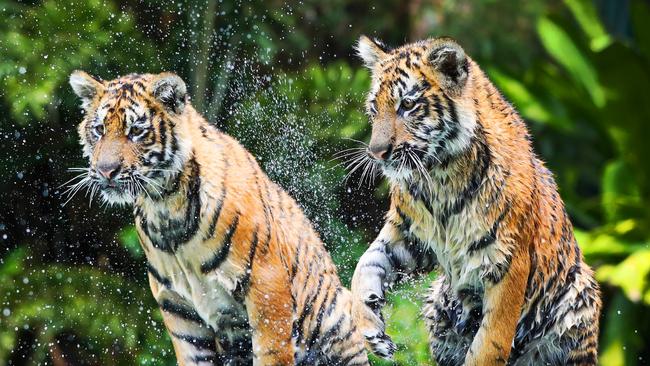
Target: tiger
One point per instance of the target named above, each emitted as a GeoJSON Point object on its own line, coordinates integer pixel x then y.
{"type": "Point", "coordinates": [469, 196]}
{"type": "Point", "coordinates": [238, 271]}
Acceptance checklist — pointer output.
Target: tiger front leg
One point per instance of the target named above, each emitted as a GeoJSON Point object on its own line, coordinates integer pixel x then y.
{"type": "Point", "coordinates": [502, 304]}
{"type": "Point", "coordinates": [389, 258]}
{"type": "Point", "coordinates": [270, 315]}
{"type": "Point", "coordinates": [194, 342]}
{"type": "Point", "coordinates": [368, 289]}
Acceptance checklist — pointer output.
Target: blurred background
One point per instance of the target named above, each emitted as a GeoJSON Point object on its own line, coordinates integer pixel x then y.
{"type": "Point", "coordinates": [283, 79]}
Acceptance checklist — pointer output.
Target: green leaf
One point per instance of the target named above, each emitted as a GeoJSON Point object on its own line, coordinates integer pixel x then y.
{"type": "Point", "coordinates": [631, 275]}
{"type": "Point", "coordinates": [523, 99]}
{"type": "Point", "coordinates": [620, 190]}
{"type": "Point", "coordinates": [559, 45]}
{"type": "Point", "coordinates": [621, 342]}
{"type": "Point", "coordinates": [129, 239]}
{"type": "Point", "coordinates": [586, 15]}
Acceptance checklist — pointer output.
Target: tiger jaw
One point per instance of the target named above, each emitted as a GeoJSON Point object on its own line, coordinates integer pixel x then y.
{"type": "Point", "coordinates": [396, 171]}
{"type": "Point", "coordinates": [117, 196]}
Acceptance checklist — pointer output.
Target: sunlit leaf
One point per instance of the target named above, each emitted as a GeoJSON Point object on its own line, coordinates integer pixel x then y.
{"type": "Point", "coordinates": [558, 43]}
{"type": "Point", "coordinates": [631, 275]}
{"type": "Point", "coordinates": [587, 16]}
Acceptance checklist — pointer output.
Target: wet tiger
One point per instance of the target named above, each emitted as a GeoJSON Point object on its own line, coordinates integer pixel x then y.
{"type": "Point", "coordinates": [240, 275]}
{"type": "Point", "coordinates": [469, 195]}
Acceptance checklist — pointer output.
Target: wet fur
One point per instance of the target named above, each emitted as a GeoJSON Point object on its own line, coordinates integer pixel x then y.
{"type": "Point", "coordinates": [238, 271]}
{"type": "Point", "coordinates": [513, 287]}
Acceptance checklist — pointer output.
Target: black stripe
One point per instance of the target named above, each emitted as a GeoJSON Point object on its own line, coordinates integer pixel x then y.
{"type": "Point", "coordinates": [173, 231]}
{"type": "Point", "coordinates": [490, 236]}
{"type": "Point", "coordinates": [200, 343]}
{"type": "Point", "coordinates": [237, 350]}
{"type": "Point", "coordinates": [471, 189]}
{"type": "Point", "coordinates": [423, 255]}
{"type": "Point", "coordinates": [499, 269]}
{"type": "Point", "coordinates": [222, 198]}
{"type": "Point", "coordinates": [374, 264]}
{"type": "Point", "coordinates": [406, 221]}
{"type": "Point", "coordinates": [181, 311]}
{"type": "Point", "coordinates": [203, 358]}
{"type": "Point", "coordinates": [160, 278]}
{"type": "Point", "coordinates": [162, 130]}
{"type": "Point", "coordinates": [319, 317]}
{"type": "Point", "coordinates": [334, 329]}
{"type": "Point", "coordinates": [298, 325]}
{"type": "Point", "coordinates": [296, 259]}
{"type": "Point", "coordinates": [243, 284]}
{"type": "Point", "coordinates": [584, 359]}
{"type": "Point", "coordinates": [223, 252]}
{"type": "Point", "coordinates": [217, 212]}
{"type": "Point", "coordinates": [420, 195]}
{"type": "Point", "coordinates": [193, 210]}
{"type": "Point", "coordinates": [349, 358]}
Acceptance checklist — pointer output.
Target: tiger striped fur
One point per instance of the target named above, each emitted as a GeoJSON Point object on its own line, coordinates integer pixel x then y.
{"type": "Point", "coordinates": [240, 275]}
{"type": "Point", "coordinates": [469, 195]}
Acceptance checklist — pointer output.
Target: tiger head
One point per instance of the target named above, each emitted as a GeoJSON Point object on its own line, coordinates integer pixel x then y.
{"type": "Point", "coordinates": [129, 133]}
{"type": "Point", "coordinates": [419, 105]}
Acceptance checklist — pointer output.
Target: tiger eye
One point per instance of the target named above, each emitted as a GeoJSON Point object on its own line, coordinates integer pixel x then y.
{"type": "Point", "coordinates": [99, 130]}
{"type": "Point", "coordinates": [135, 131]}
{"type": "Point", "coordinates": [408, 104]}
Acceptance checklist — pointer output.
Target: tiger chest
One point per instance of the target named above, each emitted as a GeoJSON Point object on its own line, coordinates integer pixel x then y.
{"type": "Point", "coordinates": [450, 241]}
{"type": "Point", "coordinates": [174, 262]}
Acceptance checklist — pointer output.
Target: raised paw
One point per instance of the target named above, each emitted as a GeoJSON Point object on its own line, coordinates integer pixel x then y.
{"type": "Point", "coordinates": [381, 345]}
{"type": "Point", "coordinates": [370, 322]}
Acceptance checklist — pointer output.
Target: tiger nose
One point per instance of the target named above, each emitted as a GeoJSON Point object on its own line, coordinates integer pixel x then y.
{"type": "Point", "coordinates": [380, 151]}
{"type": "Point", "coordinates": [109, 171]}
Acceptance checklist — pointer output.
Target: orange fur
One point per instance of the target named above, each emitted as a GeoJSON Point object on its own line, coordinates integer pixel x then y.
{"type": "Point", "coordinates": [238, 270]}
{"type": "Point", "coordinates": [468, 192]}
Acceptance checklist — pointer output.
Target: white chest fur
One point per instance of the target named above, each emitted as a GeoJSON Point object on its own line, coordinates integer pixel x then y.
{"type": "Point", "coordinates": [450, 240]}
{"type": "Point", "coordinates": [210, 295]}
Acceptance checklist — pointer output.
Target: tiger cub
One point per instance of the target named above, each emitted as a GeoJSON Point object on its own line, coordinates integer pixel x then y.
{"type": "Point", "coordinates": [469, 195]}
{"type": "Point", "coordinates": [238, 271]}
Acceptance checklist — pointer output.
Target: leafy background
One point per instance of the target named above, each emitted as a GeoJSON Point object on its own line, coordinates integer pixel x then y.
{"type": "Point", "coordinates": [282, 78]}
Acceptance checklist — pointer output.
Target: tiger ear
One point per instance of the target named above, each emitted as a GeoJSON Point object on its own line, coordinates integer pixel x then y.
{"type": "Point", "coordinates": [450, 62]}
{"type": "Point", "coordinates": [371, 51]}
{"type": "Point", "coordinates": [86, 87]}
{"type": "Point", "coordinates": [170, 90]}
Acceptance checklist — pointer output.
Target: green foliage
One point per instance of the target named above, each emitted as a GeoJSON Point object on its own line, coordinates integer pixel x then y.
{"type": "Point", "coordinates": [118, 321]}
{"type": "Point", "coordinates": [283, 80]}
{"type": "Point", "coordinates": [42, 45]}
{"type": "Point", "coordinates": [563, 49]}
{"type": "Point", "coordinates": [293, 126]}
{"type": "Point", "coordinates": [405, 324]}
{"type": "Point", "coordinates": [129, 239]}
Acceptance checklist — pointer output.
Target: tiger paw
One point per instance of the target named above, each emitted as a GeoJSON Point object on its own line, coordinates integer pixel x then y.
{"type": "Point", "coordinates": [381, 345]}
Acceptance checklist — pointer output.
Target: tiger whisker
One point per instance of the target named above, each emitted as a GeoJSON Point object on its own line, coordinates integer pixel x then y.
{"type": "Point", "coordinates": [71, 179]}
{"type": "Point", "coordinates": [78, 169]}
{"type": "Point", "coordinates": [74, 189]}
{"type": "Point", "coordinates": [152, 183]}
{"type": "Point", "coordinates": [354, 140]}
{"type": "Point", "coordinates": [353, 168]}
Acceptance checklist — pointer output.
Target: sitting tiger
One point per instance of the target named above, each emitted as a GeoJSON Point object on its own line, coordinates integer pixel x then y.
{"type": "Point", "coordinates": [238, 271]}
{"type": "Point", "coordinates": [469, 195]}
